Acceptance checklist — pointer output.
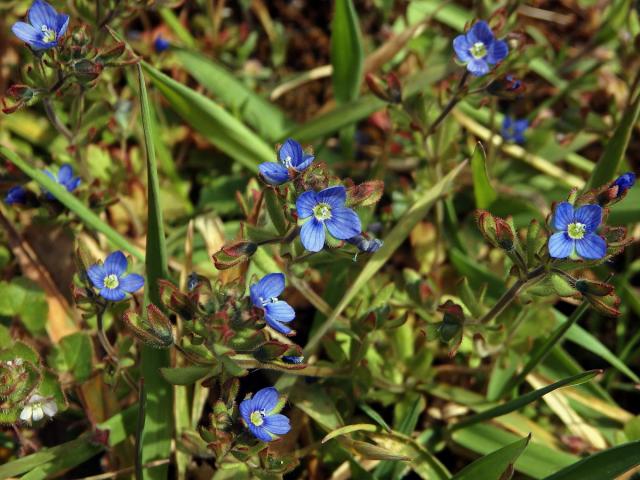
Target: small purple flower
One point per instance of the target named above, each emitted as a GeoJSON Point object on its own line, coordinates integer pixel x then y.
{"type": "Point", "coordinates": [326, 208]}
{"type": "Point", "coordinates": [577, 232]}
{"type": "Point", "coordinates": [16, 195]}
{"type": "Point", "coordinates": [293, 360]}
{"type": "Point", "coordinates": [260, 414]}
{"type": "Point", "coordinates": [264, 295]}
{"type": "Point", "coordinates": [513, 130]}
{"type": "Point", "coordinates": [111, 279]}
{"type": "Point", "coordinates": [624, 182]}
{"type": "Point", "coordinates": [45, 27]}
{"type": "Point", "coordinates": [160, 44]}
{"type": "Point", "coordinates": [366, 245]}
{"type": "Point", "coordinates": [291, 157]}
{"type": "Point", "coordinates": [65, 178]}
{"type": "Point", "coordinates": [478, 49]}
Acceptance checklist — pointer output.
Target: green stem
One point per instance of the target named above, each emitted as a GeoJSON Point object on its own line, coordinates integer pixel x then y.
{"type": "Point", "coordinates": [511, 294]}
{"type": "Point", "coordinates": [142, 402]}
{"type": "Point", "coordinates": [452, 103]}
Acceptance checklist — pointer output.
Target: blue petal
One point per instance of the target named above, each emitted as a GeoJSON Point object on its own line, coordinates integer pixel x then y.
{"type": "Point", "coordinates": [277, 424]}
{"type": "Point", "coordinates": [304, 164]}
{"type": "Point", "coordinates": [563, 216]}
{"type": "Point", "coordinates": [97, 274]}
{"type": "Point", "coordinates": [73, 184]}
{"type": "Point", "coordinates": [591, 247]}
{"type": "Point", "coordinates": [62, 24]}
{"type": "Point", "coordinates": [478, 68]}
{"type": "Point", "coordinates": [305, 204]}
{"type": "Point", "coordinates": [246, 409]}
{"type": "Point", "coordinates": [560, 245]}
{"type": "Point", "coordinates": [279, 311]}
{"type": "Point", "coordinates": [41, 13]}
{"type": "Point", "coordinates": [497, 52]}
{"type": "Point", "coordinates": [266, 399]}
{"type": "Point", "coordinates": [278, 327]}
{"type": "Point", "coordinates": [260, 433]}
{"type": "Point", "coordinates": [480, 32]}
{"type": "Point", "coordinates": [461, 47]}
{"type": "Point", "coordinates": [333, 196]}
{"type": "Point", "coordinates": [15, 195]}
{"type": "Point", "coordinates": [269, 286]}
{"type": "Point", "coordinates": [590, 216]}
{"type": "Point", "coordinates": [26, 32]}
{"type": "Point", "coordinates": [65, 173]}
{"type": "Point", "coordinates": [290, 152]}
{"type": "Point", "coordinates": [113, 294]}
{"type": "Point", "coordinates": [116, 263]}
{"type": "Point", "coordinates": [312, 235]}
{"type": "Point", "coordinates": [131, 283]}
{"type": "Point", "coordinates": [274, 173]}
{"type": "Point", "coordinates": [344, 223]}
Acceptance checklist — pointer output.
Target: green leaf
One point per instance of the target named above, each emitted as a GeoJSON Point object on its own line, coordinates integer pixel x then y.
{"type": "Point", "coordinates": [25, 299]}
{"type": "Point", "coordinates": [89, 218]}
{"type": "Point", "coordinates": [77, 350]}
{"type": "Point", "coordinates": [606, 464]}
{"type": "Point", "coordinates": [358, 427]}
{"type": "Point", "coordinates": [265, 117]}
{"type": "Point", "coordinates": [536, 461]}
{"type": "Point", "coordinates": [185, 375]}
{"type": "Point", "coordinates": [523, 400]}
{"type": "Point", "coordinates": [484, 193]}
{"type": "Point", "coordinates": [158, 424]}
{"type": "Point", "coordinates": [213, 122]}
{"type": "Point", "coordinates": [613, 154]}
{"type": "Point", "coordinates": [347, 56]}
{"type": "Point", "coordinates": [493, 465]}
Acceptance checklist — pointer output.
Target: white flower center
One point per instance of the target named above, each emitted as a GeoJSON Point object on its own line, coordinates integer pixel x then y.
{"type": "Point", "coordinates": [111, 281]}
{"type": "Point", "coordinates": [287, 161]}
{"type": "Point", "coordinates": [267, 301]}
{"type": "Point", "coordinates": [322, 212]}
{"type": "Point", "coordinates": [478, 50]}
{"type": "Point", "coordinates": [48, 34]}
{"type": "Point", "coordinates": [576, 230]}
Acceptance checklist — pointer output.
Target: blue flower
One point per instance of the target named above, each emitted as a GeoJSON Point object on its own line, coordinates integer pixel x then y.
{"type": "Point", "coordinates": [479, 50]}
{"type": "Point", "coordinates": [326, 208]}
{"type": "Point", "coordinates": [65, 178]}
{"type": "Point", "coordinates": [264, 295]}
{"type": "Point", "coordinates": [366, 245]}
{"type": "Point", "coordinates": [16, 195]}
{"type": "Point", "coordinates": [294, 360]}
{"type": "Point", "coordinates": [624, 182]}
{"type": "Point", "coordinates": [291, 157]}
{"type": "Point", "coordinates": [110, 278]}
{"type": "Point", "coordinates": [576, 232]}
{"type": "Point", "coordinates": [513, 130]}
{"type": "Point", "coordinates": [45, 27]}
{"type": "Point", "coordinates": [260, 415]}
{"type": "Point", "coordinates": [160, 44]}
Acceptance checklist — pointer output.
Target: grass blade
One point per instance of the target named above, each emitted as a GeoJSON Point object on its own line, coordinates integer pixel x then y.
{"type": "Point", "coordinates": [212, 121]}
{"type": "Point", "coordinates": [70, 201]}
{"type": "Point", "coordinates": [265, 117]}
{"type": "Point", "coordinates": [606, 464]}
{"type": "Point", "coordinates": [156, 438]}
{"type": "Point", "coordinates": [347, 56]}
{"type": "Point", "coordinates": [526, 399]}
{"type": "Point", "coordinates": [484, 193]}
{"type": "Point", "coordinates": [493, 465]}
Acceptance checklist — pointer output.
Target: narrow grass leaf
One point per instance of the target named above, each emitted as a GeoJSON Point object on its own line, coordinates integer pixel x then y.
{"type": "Point", "coordinates": [70, 201]}
{"type": "Point", "coordinates": [606, 464]}
{"type": "Point", "coordinates": [156, 438]}
{"type": "Point", "coordinates": [484, 193]}
{"type": "Point", "coordinates": [212, 121]}
{"type": "Point", "coordinates": [526, 399]}
{"type": "Point", "coordinates": [493, 465]}
{"type": "Point", "coordinates": [347, 56]}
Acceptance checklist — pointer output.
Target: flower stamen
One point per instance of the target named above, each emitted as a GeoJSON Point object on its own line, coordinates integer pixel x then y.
{"type": "Point", "coordinates": [322, 212]}
{"type": "Point", "coordinates": [576, 230]}
{"type": "Point", "coordinates": [111, 281]}
{"type": "Point", "coordinates": [478, 50]}
{"type": "Point", "coordinates": [257, 418]}
{"type": "Point", "coordinates": [48, 34]}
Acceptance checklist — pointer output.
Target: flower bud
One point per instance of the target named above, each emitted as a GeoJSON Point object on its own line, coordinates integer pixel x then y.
{"type": "Point", "coordinates": [155, 330]}
{"type": "Point", "coordinates": [505, 236]}
{"type": "Point", "coordinates": [233, 254]}
{"type": "Point", "coordinates": [365, 194]}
